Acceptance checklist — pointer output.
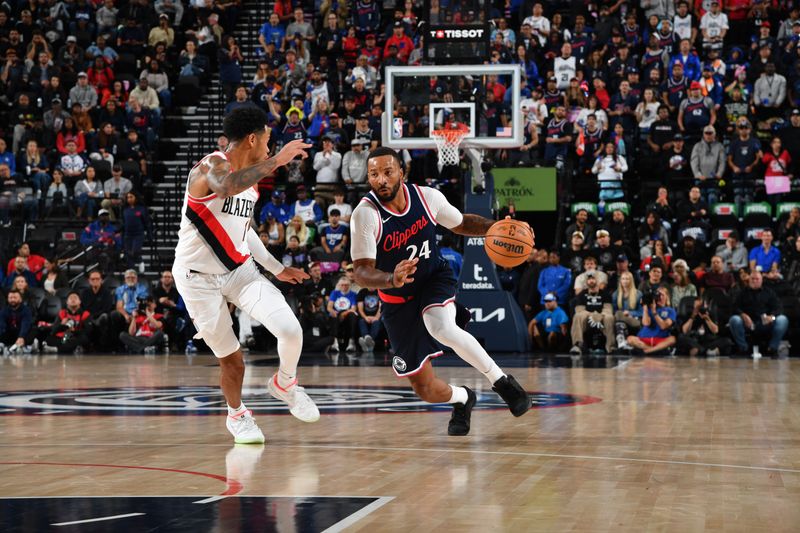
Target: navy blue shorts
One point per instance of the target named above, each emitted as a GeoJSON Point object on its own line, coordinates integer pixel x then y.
{"type": "Point", "coordinates": [410, 340]}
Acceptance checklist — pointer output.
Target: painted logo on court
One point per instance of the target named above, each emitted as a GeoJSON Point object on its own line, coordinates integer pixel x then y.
{"type": "Point", "coordinates": [208, 400]}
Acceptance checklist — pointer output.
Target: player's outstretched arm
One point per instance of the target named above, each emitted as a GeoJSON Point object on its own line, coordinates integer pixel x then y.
{"type": "Point", "coordinates": [473, 226]}
{"type": "Point", "coordinates": [260, 253]}
{"type": "Point", "coordinates": [368, 276]}
{"type": "Point", "coordinates": [448, 216]}
{"type": "Point", "coordinates": [477, 226]}
{"type": "Point", "coordinates": [223, 182]}
{"type": "Point", "coordinates": [268, 261]}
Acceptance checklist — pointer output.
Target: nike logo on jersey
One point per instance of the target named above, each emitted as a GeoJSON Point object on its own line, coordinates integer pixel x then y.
{"type": "Point", "coordinates": [385, 220]}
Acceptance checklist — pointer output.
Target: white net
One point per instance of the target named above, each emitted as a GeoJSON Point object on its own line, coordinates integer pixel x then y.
{"type": "Point", "coordinates": [447, 143]}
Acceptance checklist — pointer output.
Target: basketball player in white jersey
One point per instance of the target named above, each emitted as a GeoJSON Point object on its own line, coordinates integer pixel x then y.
{"type": "Point", "coordinates": [214, 265]}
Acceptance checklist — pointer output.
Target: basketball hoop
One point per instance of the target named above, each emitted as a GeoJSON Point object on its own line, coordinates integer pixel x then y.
{"type": "Point", "coordinates": [448, 140]}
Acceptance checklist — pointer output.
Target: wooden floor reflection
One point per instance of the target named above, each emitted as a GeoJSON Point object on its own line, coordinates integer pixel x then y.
{"type": "Point", "coordinates": [649, 445]}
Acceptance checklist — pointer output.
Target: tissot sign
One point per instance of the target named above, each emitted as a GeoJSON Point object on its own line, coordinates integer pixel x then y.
{"type": "Point", "coordinates": [461, 34]}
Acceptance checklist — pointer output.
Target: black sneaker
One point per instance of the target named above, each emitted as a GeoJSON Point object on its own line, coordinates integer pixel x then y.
{"type": "Point", "coordinates": [517, 398]}
{"type": "Point", "coordinates": [459, 421]}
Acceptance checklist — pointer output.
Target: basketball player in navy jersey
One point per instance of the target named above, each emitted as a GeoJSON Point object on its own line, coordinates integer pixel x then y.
{"type": "Point", "coordinates": [394, 250]}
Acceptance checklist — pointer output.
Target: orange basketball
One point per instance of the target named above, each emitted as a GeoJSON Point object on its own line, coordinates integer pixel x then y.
{"type": "Point", "coordinates": [508, 242]}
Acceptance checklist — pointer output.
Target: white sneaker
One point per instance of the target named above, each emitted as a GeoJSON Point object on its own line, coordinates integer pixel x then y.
{"type": "Point", "coordinates": [351, 346]}
{"type": "Point", "coordinates": [714, 352]}
{"type": "Point", "coordinates": [362, 342]}
{"type": "Point", "coordinates": [244, 429]}
{"type": "Point", "coordinates": [46, 348]}
{"type": "Point", "coordinates": [370, 342]}
{"type": "Point", "coordinates": [335, 346]}
{"type": "Point", "coordinates": [300, 405]}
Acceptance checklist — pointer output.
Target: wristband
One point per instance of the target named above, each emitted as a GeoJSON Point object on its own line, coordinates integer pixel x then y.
{"type": "Point", "coordinates": [391, 280]}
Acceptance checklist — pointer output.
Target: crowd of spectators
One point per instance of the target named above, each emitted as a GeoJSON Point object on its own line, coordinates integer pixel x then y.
{"type": "Point", "coordinates": [730, 298]}
{"type": "Point", "coordinates": [41, 312]}
{"type": "Point", "coordinates": [701, 96]}
{"type": "Point", "coordinates": [84, 85]}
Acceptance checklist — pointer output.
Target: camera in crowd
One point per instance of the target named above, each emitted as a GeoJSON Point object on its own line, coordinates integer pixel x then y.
{"type": "Point", "coordinates": [703, 310]}
{"type": "Point", "coordinates": [313, 302]}
{"type": "Point", "coordinates": [650, 297]}
{"type": "Point", "coordinates": [141, 305]}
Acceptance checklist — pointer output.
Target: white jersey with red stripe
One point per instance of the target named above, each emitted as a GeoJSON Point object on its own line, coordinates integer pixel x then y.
{"type": "Point", "coordinates": [213, 235]}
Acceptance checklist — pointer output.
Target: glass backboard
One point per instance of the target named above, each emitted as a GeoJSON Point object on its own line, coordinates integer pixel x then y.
{"type": "Point", "coordinates": [421, 98]}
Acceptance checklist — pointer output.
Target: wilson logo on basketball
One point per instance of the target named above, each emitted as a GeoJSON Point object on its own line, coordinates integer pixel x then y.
{"type": "Point", "coordinates": [509, 247]}
{"type": "Point", "coordinates": [398, 239]}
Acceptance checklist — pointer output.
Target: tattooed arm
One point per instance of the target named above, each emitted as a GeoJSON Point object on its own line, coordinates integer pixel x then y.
{"type": "Point", "coordinates": [215, 172]}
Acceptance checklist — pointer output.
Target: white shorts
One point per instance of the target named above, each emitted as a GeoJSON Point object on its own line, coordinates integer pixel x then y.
{"type": "Point", "coordinates": [207, 295]}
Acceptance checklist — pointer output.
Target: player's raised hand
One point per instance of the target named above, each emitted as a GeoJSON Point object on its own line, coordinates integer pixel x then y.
{"type": "Point", "coordinates": [291, 150]}
{"type": "Point", "coordinates": [292, 275]}
{"type": "Point", "coordinates": [404, 271]}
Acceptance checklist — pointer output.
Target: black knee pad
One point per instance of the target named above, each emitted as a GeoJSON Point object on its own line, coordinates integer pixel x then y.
{"type": "Point", "coordinates": [463, 316]}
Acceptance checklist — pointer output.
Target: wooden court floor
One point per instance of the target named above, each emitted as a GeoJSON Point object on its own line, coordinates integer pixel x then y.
{"type": "Point", "coordinates": [127, 443]}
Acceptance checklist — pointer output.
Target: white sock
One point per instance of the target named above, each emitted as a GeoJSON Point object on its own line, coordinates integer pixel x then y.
{"type": "Point", "coordinates": [232, 411]}
{"type": "Point", "coordinates": [494, 373]}
{"type": "Point", "coordinates": [459, 395]}
{"type": "Point", "coordinates": [441, 324]}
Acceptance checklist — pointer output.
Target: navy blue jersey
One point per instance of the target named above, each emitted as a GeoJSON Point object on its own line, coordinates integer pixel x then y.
{"type": "Point", "coordinates": [405, 236]}
{"type": "Point", "coordinates": [292, 132]}
{"type": "Point", "coordinates": [696, 115]}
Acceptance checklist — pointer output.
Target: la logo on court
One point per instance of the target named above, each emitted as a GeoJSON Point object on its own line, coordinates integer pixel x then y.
{"type": "Point", "coordinates": [208, 400]}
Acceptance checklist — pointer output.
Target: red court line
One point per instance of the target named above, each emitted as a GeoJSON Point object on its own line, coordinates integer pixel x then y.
{"type": "Point", "coordinates": [234, 486]}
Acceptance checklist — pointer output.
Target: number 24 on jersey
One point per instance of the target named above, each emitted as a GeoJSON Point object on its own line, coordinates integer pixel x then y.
{"type": "Point", "coordinates": [424, 251]}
